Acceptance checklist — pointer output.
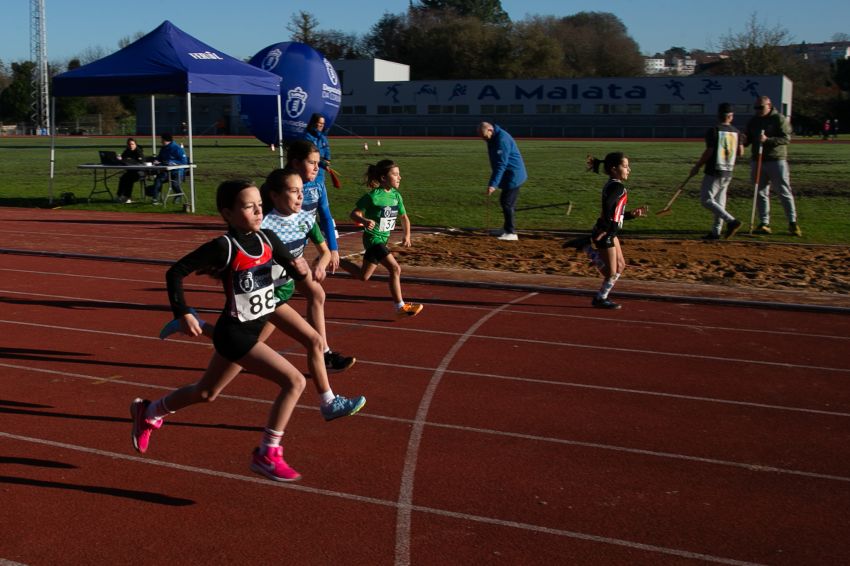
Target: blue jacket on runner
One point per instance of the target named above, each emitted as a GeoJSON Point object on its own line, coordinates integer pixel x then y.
{"type": "Point", "coordinates": [505, 161]}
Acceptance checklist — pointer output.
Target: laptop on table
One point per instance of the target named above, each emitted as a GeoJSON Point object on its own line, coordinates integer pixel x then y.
{"type": "Point", "coordinates": [109, 158]}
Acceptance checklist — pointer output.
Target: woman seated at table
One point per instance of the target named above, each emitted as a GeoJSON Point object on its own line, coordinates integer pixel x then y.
{"type": "Point", "coordinates": [132, 155]}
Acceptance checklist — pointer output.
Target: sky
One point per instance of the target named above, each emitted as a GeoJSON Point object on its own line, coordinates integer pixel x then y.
{"type": "Point", "coordinates": [242, 28]}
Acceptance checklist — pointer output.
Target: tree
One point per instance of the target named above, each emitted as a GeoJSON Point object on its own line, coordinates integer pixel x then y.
{"type": "Point", "coordinates": [840, 37]}
{"type": "Point", "coordinates": [334, 44]}
{"type": "Point", "coordinates": [16, 99]}
{"type": "Point", "coordinates": [70, 108]}
{"type": "Point", "coordinates": [676, 53]}
{"type": "Point", "coordinates": [303, 26]}
{"type": "Point", "coordinates": [756, 50]}
{"type": "Point", "coordinates": [535, 54]}
{"type": "Point", "coordinates": [487, 11]}
{"type": "Point", "coordinates": [597, 44]}
{"type": "Point", "coordinates": [384, 39]}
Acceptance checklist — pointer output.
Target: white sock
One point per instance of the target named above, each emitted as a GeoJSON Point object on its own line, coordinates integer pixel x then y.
{"type": "Point", "coordinates": [327, 397]}
{"type": "Point", "coordinates": [327, 349]}
{"type": "Point", "coordinates": [607, 285]}
{"type": "Point", "coordinates": [271, 439]}
{"type": "Point", "coordinates": [399, 305]}
{"type": "Point", "coordinates": [157, 410]}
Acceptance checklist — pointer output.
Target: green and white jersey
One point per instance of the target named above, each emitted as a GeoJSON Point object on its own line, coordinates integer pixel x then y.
{"type": "Point", "coordinates": [294, 229]}
{"type": "Point", "coordinates": [384, 207]}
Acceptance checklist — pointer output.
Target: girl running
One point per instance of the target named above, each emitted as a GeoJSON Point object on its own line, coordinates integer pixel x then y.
{"type": "Point", "coordinates": [604, 234]}
{"type": "Point", "coordinates": [284, 191]}
{"type": "Point", "coordinates": [303, 157]}
{"type": "Point", "coordinates": [243, 258]}
{"type": "Point", "coordinates": [378, 212]}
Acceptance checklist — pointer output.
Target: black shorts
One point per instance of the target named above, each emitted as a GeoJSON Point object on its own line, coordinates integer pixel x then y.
{"type": "Point", "coordinates": [603, 243]}
{"type": "Point", "coordinates": [376, 253]}
{"type": "Point", "coordinates": [233, 339]}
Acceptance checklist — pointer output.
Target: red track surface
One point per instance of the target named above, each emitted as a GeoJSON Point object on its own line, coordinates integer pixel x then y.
{"type": "Point", "coordinates": [502, 427]}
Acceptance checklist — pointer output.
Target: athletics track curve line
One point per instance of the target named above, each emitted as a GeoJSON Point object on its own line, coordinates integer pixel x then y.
{"type": "Point", "coordinates": [405, 496]}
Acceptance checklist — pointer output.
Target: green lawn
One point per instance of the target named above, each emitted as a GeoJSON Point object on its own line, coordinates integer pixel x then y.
{"type": "Point", "coordinates": [444, 181]}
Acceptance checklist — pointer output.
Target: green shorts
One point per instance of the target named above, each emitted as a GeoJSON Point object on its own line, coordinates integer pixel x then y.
{"type": "Point", "coordinates": [283, 292]}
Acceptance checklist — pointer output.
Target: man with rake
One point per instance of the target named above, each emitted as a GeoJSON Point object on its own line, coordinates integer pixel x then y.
{"type": "Point", "coordinates": [722, 146]}
{"type": "Point", "coordinates": [770, 132]}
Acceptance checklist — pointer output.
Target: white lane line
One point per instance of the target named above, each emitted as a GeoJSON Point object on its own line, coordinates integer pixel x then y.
{"type": "Point", "coordinates": [405, 496]}
{"type": "Point", "coordinates": [476, 374]}
{"type": "Point", "coordinates": [536, 438]}
{"type": "Point", "coordinates": [195, 285]}
{"type": "Point", "coordinates": [694, 326]}
{"type": "Point", "coordinates": [376, 501]}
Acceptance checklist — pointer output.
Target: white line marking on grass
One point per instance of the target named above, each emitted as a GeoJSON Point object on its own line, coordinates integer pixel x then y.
{"type": "Point", "coordinates": [405, 496]}
{"type": "Point", "coordinates": [381, 502]}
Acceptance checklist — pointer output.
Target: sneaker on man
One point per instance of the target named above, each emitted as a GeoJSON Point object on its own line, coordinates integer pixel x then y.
{"type": "Point", "coordinates": [508, 237]}
{"type": "Point", "coordinates": [711, 236]}
{"type": "Point", "coordinates": [142, 428]}
{"type": "Point", "coordinates": [732, 228]}
{"type": "Point", "coordinates": [334, 362]}
{"type": "Point", "coordinates": [272, 465]}
{"type": "Point", "coordinates": [342, 407]}
{"type": "Point", "coordinates": [794, 230]}
{"type": "Point", "coordinates": [173, 326]}
{"type": "Point", "coordinates": [128, 201]}
{"type": "Point", "coordinates": [604, 304]}
{"type": "Point", "coordinates": [409, 309]}
{"type": "Point", "coordinates": [763, 229]}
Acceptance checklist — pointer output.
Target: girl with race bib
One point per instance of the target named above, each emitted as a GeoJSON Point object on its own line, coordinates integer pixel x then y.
{"type": "Point", "coordinates": [243, 258]}
{"type": "Point", "coordinates": [378, 211]}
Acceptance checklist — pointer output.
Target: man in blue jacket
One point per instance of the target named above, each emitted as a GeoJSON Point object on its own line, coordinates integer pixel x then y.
{"type": "Point", "coordinates": [170, 154]}
{"type": "Point", "coordinates": [508, 172]}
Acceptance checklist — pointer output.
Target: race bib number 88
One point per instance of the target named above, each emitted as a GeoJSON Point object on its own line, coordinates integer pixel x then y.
{"type": "Point", "coordinates": [253, 295]}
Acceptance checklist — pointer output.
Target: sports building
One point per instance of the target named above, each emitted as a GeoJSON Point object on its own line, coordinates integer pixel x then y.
{"type": "Point", "coordinates": [379, 100]}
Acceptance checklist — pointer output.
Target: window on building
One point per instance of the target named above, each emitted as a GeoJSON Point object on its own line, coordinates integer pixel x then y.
{"type": "Point", "coordinates": [625, 109]}
{"type": "Point", "coordinates": [558, 108]}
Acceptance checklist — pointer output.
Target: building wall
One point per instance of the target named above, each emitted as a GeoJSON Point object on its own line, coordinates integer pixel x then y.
{"type": "Point", "coordinates": [637, 107]}
{"type": "Point", "coordinates": [603, 107]}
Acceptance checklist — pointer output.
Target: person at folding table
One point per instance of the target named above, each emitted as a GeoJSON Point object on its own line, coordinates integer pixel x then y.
{"type": "Point", "coordinates": [170, 154]}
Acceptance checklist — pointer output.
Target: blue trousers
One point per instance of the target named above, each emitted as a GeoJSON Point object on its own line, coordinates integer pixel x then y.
{"type": "Point", "coordinates": [508, 200]}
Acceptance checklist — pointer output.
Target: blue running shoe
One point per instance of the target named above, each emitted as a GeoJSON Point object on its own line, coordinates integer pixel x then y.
{"type": "Point", "coordinates": [342, 407]}
{"type": "Point", "coordinates": [173, 326]}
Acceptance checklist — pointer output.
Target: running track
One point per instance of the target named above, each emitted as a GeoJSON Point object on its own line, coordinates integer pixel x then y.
{"type": "Point", "coordinates": [502, 426]}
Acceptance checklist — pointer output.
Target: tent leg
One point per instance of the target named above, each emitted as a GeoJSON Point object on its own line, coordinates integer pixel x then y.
{"type": "Point", "coordinates": [191, 154]}
{"type": "Point", "coordinates": [52, 148]}
{"type": "Point", "coordinates": [280, 131]}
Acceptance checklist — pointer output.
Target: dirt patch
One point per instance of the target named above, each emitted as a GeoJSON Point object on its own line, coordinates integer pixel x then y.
{"type": "Point", "coordinates": [727, 263]}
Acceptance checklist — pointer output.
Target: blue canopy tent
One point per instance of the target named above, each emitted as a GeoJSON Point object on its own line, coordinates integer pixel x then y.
{"type": "Point", "coordinates": [165, 61]}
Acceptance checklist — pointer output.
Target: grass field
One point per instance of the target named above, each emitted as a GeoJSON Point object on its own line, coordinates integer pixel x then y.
{"type": "Point", "coordinates": [444, 181]}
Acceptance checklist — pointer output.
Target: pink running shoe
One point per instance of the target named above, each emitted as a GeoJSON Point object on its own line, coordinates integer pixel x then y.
{"type": "Point", "coordinates": [142, 428]}
{"type": "Point", "coordinates": [273, 466]}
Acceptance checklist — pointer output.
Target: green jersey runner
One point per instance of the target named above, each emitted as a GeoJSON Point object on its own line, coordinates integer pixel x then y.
{"type": "Point", "coordinates": [383, 207]}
